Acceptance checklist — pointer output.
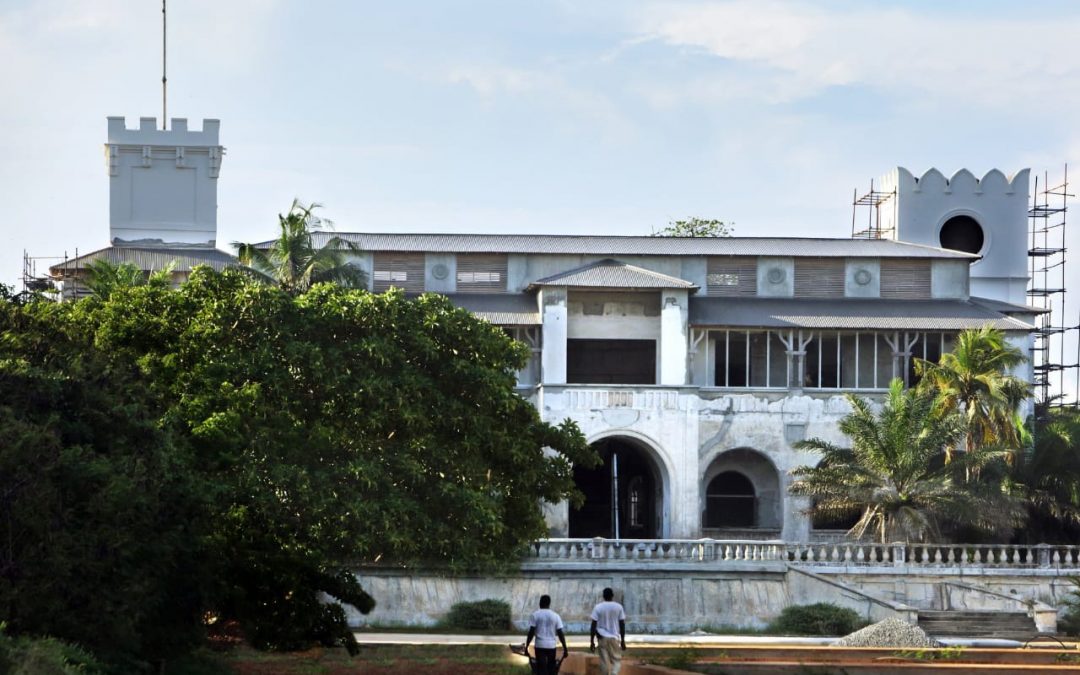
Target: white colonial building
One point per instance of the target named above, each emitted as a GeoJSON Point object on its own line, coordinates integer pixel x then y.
{"type": "Point", "coordinates": [695, 364]}
{"type": "Point", "coordinates": [692, 364]}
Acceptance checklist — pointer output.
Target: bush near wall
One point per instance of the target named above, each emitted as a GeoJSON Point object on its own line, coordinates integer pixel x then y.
{"type": "Point", "coordinates": [823, 618]}
{"type": "Point", "coordinates": [482, 615]}
{"type": "Point", "coordinates": [35, 656]}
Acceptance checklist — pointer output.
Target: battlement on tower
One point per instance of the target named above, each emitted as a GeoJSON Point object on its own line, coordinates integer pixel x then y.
{"type": "Point", "coordinates": [963, 182]}
{"type": "Point", "coordinates": [148, 132]}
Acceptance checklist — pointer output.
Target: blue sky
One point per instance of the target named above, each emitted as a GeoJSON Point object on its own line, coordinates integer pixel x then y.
{"type": "Point", "coordinates": [602, 116]}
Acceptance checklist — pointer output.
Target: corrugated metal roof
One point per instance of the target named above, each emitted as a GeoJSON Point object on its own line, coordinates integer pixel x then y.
{"type": "Point", "coordinates": [152, 258]}
{"type": "Point", "coordinates": [612, 274]}
{"type": "Point", "coordinates": [1007, 307]}
{"type": "Point", "coordinates": [847, 314]}
{"type": "Point", "coordinates": [616, 245]}
{"type": "Point", "coordinates": [502, 309]}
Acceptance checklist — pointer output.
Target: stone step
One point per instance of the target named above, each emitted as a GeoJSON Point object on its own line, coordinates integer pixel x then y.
{"type": "Point", "coordinates": [1012, 625]}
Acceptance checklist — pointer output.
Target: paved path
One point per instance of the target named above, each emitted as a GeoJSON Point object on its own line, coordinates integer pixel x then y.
{"type": "Point", "coordinates": [643, 640]}
{"type": "Point", "coordinates": [582, 641]}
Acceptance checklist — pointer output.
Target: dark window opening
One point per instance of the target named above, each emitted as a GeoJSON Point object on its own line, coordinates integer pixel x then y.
{"type": "Point", "coordinates": [611, 361]}
{"type": "Point", "coordinates": [730, 501]}
{"type": "Point", "coordinates": [962, 233]}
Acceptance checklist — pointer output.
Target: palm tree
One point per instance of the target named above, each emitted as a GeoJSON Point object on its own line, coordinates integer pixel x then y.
{"type": "Point", "coordinates": [103, 278]}
{"type": "Point", "coordinates": [1046, 474]}
{"type": "Point", "coordinates": [294, 262]}
{"type": "Point", "coordinates": [974, 379]}
{"type": "Point", "coordinates": [894, 474]}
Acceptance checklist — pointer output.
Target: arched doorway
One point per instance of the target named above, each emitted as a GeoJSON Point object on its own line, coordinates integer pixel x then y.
{"type": "Point", "coordinates": [742, 491]}
{"type": "Point", "coordinates": [623, 494]}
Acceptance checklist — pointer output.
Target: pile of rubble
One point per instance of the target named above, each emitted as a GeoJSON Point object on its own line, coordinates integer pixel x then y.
{"type": "Point", "coordinates": [891, 633]}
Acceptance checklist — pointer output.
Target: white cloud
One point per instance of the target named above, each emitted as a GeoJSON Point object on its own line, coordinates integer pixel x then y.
{"type": "Point", "coordinates": [801, 49]}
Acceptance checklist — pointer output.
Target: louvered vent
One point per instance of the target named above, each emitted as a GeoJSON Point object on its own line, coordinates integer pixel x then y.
{"type": "Point", "coordinates": [400, 270]}
{"type": "Point", "coordinates": [481, 273]}
{"type": "Point", "coordinates": [819, 277]}
{"type": "Point", "coordinates": [905, 279]}
{"type": "Point", "coordinates": [732, 275]}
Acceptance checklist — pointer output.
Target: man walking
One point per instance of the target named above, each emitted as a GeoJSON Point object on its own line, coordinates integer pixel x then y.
{"type": "Point", "coordinates": [545, 625]}
{"type": "Point", "coordinates": [609, 629]}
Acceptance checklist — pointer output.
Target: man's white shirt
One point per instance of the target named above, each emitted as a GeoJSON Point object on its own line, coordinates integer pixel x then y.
{"type": "Point", "coordinates": [546, 622]}
{"type": "Point", "coordinates": [607, 616]}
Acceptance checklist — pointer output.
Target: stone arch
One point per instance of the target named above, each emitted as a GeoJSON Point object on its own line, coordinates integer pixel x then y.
{"type": "Point", "coordinates": [742, 488]}
{"type": "Point", "coordinates": [629, 494]}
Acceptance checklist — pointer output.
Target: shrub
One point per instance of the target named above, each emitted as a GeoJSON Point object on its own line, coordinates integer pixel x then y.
{"type": "Point", "coordinates": [45, 656]}
{"type": "Point", "coordinates": [822, 618]}
{"type": "Point", "coordinates": [482, 615]}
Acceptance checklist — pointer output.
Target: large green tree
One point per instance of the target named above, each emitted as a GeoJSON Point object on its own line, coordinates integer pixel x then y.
{"type": "Point", "coordinates": [100, 511]}
{"type": "Point", "coordinates": [294, 261]}
{"type": "Point", "coordinates": [340, 427]}
{"type": "Point", "coordinates": [314, 432]}
{"type": "Point", "coordinates": [894, 475]}
{"type": "Point", "coordinates": [974, 379]}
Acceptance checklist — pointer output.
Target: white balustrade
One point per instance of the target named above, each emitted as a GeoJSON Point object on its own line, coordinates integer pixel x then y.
{"type": "Point", "coordinates": [857, 554]}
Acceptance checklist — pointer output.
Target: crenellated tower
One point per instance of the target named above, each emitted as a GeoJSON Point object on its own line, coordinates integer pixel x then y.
{"type": "Point", "coordinates": [987, 217]}
{"type": "Point", "coordinates": [163, 183]}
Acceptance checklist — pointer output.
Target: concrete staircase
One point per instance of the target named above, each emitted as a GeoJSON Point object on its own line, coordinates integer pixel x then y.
{"type": "Point", "coordinates": [1004, 625]}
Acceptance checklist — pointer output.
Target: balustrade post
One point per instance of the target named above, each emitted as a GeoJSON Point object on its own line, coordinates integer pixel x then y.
{"type": "Point", "coordinates": [1044, 555]}
{"type": "Point", "coordinates": [899, 550]}
{"type": "Point", "coordinates": [597, 547]}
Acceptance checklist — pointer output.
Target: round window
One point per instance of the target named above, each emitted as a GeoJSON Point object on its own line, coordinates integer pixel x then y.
{"type": "Point", "coordinates": [962, 233]}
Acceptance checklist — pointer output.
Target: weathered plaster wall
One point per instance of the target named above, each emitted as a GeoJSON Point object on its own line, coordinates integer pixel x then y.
{"type": "Point", "coordinates": [670, 597]}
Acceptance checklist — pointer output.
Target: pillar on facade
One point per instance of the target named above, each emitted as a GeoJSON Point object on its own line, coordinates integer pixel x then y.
{"type": "Point", "coordinates": [554, 318]}
{"type": "Point", "coordinates": [674, 328]}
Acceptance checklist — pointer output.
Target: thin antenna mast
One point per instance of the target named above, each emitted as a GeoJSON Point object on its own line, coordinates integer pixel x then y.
{"type": "Point", "coordinates": [164, 80]}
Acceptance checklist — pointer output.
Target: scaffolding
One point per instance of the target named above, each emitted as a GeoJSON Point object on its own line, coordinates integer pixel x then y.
{"type": "Point", "coordinates": [34, 282]}
{"type": "Point", "coordinates": [871, 202]}
{"type": "Point", "coordinates": [1046, 290]}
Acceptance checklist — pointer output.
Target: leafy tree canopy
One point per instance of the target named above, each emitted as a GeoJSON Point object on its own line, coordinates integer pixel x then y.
{"type": "Point", "coordinates": [99, 512]}
{"type": "Point", "coordinates": [327, 429]}
{"type": "Point", "coordinates": [696, 227]}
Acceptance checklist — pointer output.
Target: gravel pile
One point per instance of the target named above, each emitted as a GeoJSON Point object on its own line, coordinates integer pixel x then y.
{"type": "Point", "coordinates": [892, 633]}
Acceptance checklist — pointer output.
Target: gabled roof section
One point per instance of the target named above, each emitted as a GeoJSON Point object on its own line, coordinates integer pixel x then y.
{"type": "Point", "coordinates": [611, 246]}
{"type": "Point", "coordinates": [848, 314]}
{"type": "Point", "coordinates": [151, 259]}
{"type": "Point", "coordinates": [611, 273]}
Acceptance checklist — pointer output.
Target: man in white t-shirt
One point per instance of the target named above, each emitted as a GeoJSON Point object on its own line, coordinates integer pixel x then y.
{"type": "Point", "coordinates": [545, 625]}
{"type": "Point", "coordinates": [609, 629]}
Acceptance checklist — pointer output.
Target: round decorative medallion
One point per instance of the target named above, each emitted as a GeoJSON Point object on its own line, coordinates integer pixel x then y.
{"type": "Point", "coordinates": [863, 277]}
{"type": "Point", "coordinates": [776, 275]}
{"type": "Point", "coordinates": [440, 271]}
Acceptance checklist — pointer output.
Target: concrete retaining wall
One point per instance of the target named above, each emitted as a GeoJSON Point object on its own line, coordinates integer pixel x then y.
{"type": "Point", "coordinates": [674, 597]}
